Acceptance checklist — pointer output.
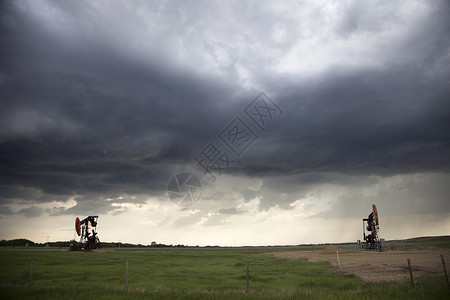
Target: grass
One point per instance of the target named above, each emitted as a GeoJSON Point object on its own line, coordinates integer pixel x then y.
{"type": "Point", "coordinates": [189, 274]}
{"type": "Point", "coordinates": [437, 241]}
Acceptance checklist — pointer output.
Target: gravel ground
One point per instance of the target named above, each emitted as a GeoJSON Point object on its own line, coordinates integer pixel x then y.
{"type": "Point", "coordinates": [379, 266]}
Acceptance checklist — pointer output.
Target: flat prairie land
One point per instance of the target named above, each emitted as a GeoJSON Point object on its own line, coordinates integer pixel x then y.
{"type": "Point", "coordinates": [377, 266]}
{"type": "Point", "coordinates": [209, 273]}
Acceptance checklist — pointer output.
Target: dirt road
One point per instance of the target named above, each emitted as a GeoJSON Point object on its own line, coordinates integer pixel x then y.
{"type": "Point", "coordinates": [379, 266]}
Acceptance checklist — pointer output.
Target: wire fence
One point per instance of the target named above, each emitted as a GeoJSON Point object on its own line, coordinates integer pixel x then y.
{"type": "Point", "coordinates": [414, 282]}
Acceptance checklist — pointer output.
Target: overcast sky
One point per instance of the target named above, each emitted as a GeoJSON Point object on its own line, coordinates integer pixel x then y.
{"type": "Point", "coordinates": [317, 108]}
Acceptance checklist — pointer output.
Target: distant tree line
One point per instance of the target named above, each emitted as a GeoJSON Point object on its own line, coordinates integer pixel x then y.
{"type": "Point", "coordinates": [62, 244]}
{"type": "Point", "coordinates": [28, 243]}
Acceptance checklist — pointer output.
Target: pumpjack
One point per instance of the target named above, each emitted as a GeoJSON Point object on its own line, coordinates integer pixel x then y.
{"type": "Point", "coordinates": [372, 224]}
{"type": "Point", "coordinates": [87, 231]}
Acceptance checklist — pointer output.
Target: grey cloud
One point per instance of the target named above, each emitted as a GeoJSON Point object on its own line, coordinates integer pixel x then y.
{"type": "Point", "coordinates": [371, 16]}
{"type": "Point", "coordinates": [85, 205]}
{"type": "Point", "coordinates": [31, 212]}
{"type": "Point", "coordinates": [89, 110]}
{"type": "Point", "coordinates": [229, 211]}
{"type": "Point", "coordinates": [6, 210]}
{"type": "Point", "coordinates": [187, 220]}
{"type": "Point", "coordinates": [249, 194]}
{"type": "Point", "coordinates": [351, 126]}
{"type": "Point", "coordinates": [424, 194]}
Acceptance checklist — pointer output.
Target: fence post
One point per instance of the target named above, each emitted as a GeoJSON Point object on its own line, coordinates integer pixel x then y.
{"type": "Point", "coordinates": [248, 277]}
{"type": "Point", "coordinates": [410, 272]}
{"type": "Point", "coordinates": [339, 261]}
{"type": "Point", "coordinates": [31, 274]}
{"type": "Point", "coordinates": [126, 276]}
{"type": "Point", "coordinates": [445, 269]}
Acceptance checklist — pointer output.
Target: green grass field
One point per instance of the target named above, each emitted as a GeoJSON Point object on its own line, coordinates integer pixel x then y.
{"type": "Point", "coordinates": [439, 241]}
{"type": "Point", "coordinates": [189, 274]}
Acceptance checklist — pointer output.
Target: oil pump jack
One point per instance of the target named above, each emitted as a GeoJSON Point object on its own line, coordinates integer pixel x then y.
{"type": "Point", "coordinates": [86, 230]}
{"type": "Point", "coordinates": [372, 239]}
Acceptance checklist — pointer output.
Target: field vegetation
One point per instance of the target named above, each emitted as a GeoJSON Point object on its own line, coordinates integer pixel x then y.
{"type": "Point", "coordinates": [190, 273]}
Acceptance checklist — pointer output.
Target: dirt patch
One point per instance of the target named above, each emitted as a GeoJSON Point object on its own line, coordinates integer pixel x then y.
{"type": "Point", "coordinates": [332, 249]}
{"type": "Point", "coordinates": [378, 266]}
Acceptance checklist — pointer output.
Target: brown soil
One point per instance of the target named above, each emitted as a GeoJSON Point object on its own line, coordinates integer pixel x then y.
{"type": "Point", "coordinates": [378, 266]}
{"type": "Point", "coordinates": [332, 249]}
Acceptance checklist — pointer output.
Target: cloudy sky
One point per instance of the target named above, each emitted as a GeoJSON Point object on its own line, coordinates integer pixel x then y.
{"type": "Point", "coordinates": [102, 103]}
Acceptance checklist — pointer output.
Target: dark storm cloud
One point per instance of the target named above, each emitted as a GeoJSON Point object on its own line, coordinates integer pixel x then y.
{"type": "Point", "coordinates": [387, 121]}
{"type": "Point", "coordinates": [31, 212]}
{"type": "Point", "coordinates": [287, 189]}
{"type": "Point", "coordinates": [85, 114]}
{"type": "Point", "coordinates": [412, 195]}
{"type": "Point", "coordinates": [81, 119]}
{"type": "Point", "coordinates": [5, 210]}
{"type": "Point", "coordinates": [351, 125]}
{"type": "Point", "coordinates": [85, 205]}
